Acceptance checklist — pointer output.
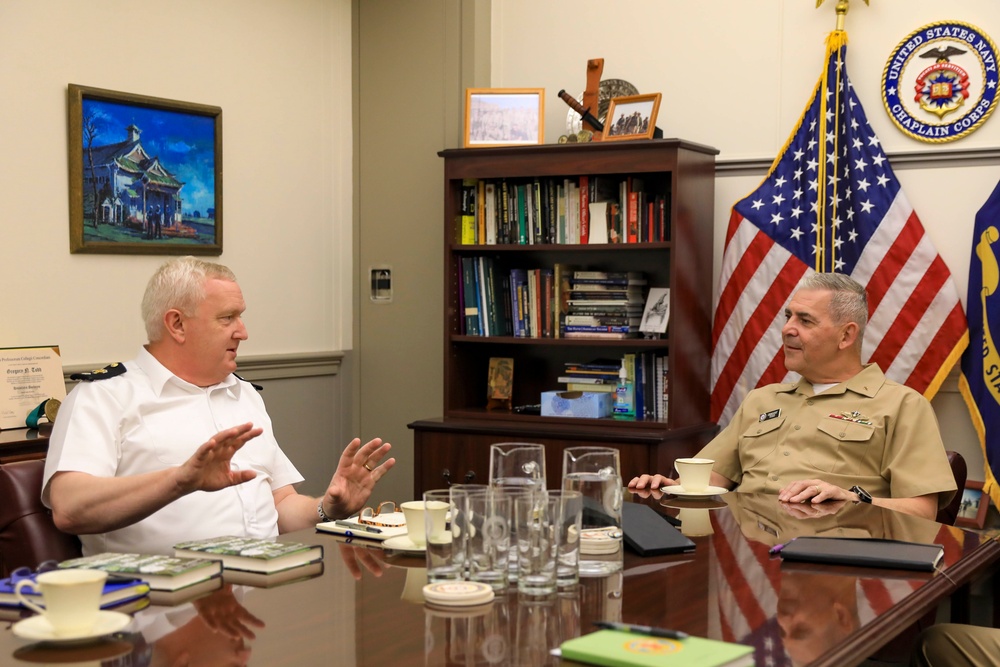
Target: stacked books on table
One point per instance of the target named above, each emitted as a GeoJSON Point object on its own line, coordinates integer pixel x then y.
{"type": "Point", "coordinates": [119, 593]}
{"type": "Point", "coordinates": [169, 580]}
{"type": "Point", "coordinates": [256, 561]}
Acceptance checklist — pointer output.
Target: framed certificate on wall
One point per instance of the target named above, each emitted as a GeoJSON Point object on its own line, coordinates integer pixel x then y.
{"type": "Point", "coordinates": [28, 376]}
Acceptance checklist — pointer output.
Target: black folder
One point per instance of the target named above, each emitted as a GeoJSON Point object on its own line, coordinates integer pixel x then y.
{"type": "Point", "coordinates": [864, 552]}
{"type": "Point", "coordinates": [648, 533]}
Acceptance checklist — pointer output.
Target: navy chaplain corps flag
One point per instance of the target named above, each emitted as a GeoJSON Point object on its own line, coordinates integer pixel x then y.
{"type": "Point", "coordinates": [831, 202]}
{"type": "Point", "coordinates": [980, 381]}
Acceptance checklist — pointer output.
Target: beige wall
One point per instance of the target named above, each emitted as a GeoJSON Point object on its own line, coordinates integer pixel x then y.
{"type": "Point", "coordinates": [281, 73]}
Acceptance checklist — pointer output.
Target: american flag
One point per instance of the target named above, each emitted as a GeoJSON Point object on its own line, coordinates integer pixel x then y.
{"type": "Point", "coordinates": [831, 202]}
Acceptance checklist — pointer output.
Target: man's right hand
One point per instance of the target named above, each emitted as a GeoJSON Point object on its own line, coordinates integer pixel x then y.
{"type": "Point", "coordinates": [210, 467]}
{"type": "Point", "coordinates": [650, 482]}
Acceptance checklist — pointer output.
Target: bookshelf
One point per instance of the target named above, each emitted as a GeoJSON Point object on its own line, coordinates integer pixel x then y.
{"type": "Point", "coordinates": [454, 448]}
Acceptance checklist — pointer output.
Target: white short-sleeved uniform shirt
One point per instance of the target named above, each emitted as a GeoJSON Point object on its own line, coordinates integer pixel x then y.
{"type": "Point", "coordinates": [148, 419]}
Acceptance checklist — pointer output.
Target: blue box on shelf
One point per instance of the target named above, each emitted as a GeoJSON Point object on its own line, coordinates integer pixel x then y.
{"type": "Point", "coordinates": [592, 405]}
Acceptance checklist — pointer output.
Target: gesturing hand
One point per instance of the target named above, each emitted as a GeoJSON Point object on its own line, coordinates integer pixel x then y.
{"type": "Point", "coordinates": [210, 468]}
{"type": "Point", "coordinates": [359, 468]}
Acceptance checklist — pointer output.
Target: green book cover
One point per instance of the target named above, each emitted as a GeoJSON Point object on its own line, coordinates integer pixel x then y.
{"type": "Point", "coordinates": [626, 649]}
{"type": "Point", "coordinates": [160, 572]}
{"type": "Point", "coordinates": [250, 553]}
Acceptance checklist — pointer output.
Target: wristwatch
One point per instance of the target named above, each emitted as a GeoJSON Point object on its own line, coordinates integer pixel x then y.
{"type": "Point", "coordinates": [863, 495]}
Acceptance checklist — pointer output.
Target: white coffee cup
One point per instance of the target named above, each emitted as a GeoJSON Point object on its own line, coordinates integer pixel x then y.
{"type": "Point", "coordinates": [694, 473]}
{"type": "Point", "coordinates": [415, 512]}
{"type": "Point", "coordinates": [72, 598]}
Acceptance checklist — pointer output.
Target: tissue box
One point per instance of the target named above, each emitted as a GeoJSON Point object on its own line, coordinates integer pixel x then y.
{"type": "Point", "coordinates": [593, 405]}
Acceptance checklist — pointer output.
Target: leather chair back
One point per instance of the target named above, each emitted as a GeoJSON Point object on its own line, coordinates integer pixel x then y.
{"type": "Point", "coordinates": [949, 512]}
{"type": "Point", "coordinates": [28, 535]}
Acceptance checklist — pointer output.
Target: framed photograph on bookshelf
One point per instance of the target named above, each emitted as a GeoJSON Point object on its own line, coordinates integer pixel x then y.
{"type": "Point", "coordinates": [504, 117]}
{"type": "Point", "coordinates": [974, 505]}
{"type": "Point", "coordinates": [632, 117]}
{"type": "Point", "coordinates": [145, 174]}
{"type": "Point", "coordinates": [656, 314]}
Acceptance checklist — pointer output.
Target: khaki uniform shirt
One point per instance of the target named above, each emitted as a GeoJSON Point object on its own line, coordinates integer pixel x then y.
{"type": "Point", "coordinates": [868, 431]}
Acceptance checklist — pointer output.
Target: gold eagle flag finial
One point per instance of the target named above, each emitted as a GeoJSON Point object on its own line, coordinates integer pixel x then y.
{"type": "Point", "coordinates": [842, 7]}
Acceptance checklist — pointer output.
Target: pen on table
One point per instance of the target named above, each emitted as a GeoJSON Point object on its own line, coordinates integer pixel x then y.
{"type": "Point", "coordinates": [642, 630]}
{"type": "Point", "coordinates": [357, 526]}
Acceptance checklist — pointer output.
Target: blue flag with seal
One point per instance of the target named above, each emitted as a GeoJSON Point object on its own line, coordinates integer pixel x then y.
{"type": "Point", "coordinates": [980, 381]}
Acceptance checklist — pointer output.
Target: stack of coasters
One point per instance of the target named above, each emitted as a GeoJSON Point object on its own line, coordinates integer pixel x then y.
{"type": "Point", "coordinates": [600, 541]}
{"type": "Point", "coordinates": [458, 593]}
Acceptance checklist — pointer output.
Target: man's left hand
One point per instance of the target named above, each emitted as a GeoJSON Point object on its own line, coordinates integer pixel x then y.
{"type": "Point", "coordinates": [360, 467]}
{"type": "Point", "coordinates": [813, 491]}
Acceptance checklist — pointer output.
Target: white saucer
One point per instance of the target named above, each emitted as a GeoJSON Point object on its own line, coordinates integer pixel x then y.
{"type": "Point", "coordinates": [678, 490]}
{"type": "Point", "coordinates": [38, 628]}
{"type": "Point", "coordinates": [403, 543]}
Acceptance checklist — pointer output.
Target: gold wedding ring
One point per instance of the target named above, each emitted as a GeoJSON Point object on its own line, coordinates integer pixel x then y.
{"type": "Point", "coordinates": [367, 467]}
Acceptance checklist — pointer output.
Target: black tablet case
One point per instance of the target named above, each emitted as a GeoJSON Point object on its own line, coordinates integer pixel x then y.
{"type": "Point", "coordinates": [864, 552]}
{"type": "Point", "coordinates": [648, 533]}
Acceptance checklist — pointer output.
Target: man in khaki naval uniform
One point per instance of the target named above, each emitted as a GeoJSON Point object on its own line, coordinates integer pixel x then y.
{"type": "Point", "coordinates": [843, 431]}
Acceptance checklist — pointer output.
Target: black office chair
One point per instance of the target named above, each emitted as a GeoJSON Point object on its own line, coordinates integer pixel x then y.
{"type": "Point", "coordinates": [949, 512]}
{"type": "Point", "coordinates": [28, 535]}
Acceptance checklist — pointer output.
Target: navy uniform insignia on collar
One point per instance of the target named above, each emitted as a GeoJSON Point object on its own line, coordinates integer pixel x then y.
{"type": "Point", "coordinates": [255, 386]}
{"type": "Point", "coordinates": [109, 371]}
{"type": "Point", "coordinates": [769, 415]}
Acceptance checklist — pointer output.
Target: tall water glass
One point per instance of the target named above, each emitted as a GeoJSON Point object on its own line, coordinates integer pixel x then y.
{"type": "Point", "coordinates": [596, 473]}
{"type": "Point", "coordinates": [488, 543]}
{"type": "Point", "coordinates": [444, 563]}
{"type": "Point", "coordinates": [460, 520]}
{"type": "Point", "coordinates": [517, 464]}
{"type": "Point", "coordinates": [536, 555]}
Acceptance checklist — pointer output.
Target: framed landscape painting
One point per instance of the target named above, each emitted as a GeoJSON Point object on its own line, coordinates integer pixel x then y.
{"type": "Point", "coordinates": [145, 174]}
{"type": "Point", "coordinates": [504, 117]}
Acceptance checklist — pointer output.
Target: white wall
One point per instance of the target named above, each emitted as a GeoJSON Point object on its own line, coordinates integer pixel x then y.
{"type": "Point", "coordinates": [736, 75]}
{"type": "Point", "coordinates": [280, 71]}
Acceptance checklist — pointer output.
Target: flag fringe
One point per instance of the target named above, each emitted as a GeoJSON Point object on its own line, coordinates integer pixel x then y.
{"type": "Point", "coordinates": [990, 485]}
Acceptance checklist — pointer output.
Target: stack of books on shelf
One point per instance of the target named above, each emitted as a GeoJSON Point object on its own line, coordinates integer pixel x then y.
{"type": "Point", "coordinates": [597, 375]}
{"type": "Point", "coordinates": [649, 373]}
{"type": "Point", "coordinates": [571, 210]}
{"type": "Point", "coordinates": [604, 304]}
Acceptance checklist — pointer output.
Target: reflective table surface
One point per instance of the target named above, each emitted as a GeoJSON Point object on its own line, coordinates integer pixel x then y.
{"type": "Point", "coordinates": [365, 607]}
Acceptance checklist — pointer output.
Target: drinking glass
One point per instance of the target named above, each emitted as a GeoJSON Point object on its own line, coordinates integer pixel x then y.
{"type": "Point", "coordinates": [460, 521]}
{"type": "Point", "coordinates": [596, 473]}
{"type": "Point", "coordinates": [444, 563]}
{"type": "Point", "coordinates": [488, 543]}
{"type": "Point", "coordinates": [517, 464]}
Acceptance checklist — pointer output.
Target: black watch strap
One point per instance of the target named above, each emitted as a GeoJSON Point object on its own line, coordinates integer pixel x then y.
{"type": "Point", "coordinates": [863, 495]}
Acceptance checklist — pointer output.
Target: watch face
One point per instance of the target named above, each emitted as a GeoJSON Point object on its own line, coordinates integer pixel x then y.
{"type": "Point", "coordinates": [609, 89]}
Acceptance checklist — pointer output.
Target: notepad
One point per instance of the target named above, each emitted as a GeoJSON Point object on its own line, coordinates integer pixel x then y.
{"type": "Point", "coordinates": [864, 552]}
{"type": "Point", "coordinates": [625, 649]}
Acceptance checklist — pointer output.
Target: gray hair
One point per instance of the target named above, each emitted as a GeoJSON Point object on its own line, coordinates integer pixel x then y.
{"type": "Point", "coordinates": [849, 300]}
{"type": "Point", "coordinates": [178, 283]}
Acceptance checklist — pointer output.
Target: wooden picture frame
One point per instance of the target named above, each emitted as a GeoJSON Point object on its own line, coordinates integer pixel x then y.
{"type": "Point", "coordinates": [145, 174]}
{"type": "Point", "coordinates": [974, 506]}
{"type": "Point", "coordinates": [632, 117]}
{"type": "Point", "coordinates": [504, 117]}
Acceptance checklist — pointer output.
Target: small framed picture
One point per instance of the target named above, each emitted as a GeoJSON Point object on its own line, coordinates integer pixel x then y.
{"type": "Point", "coordinates": [975, 503]}
{"type": "Point", "coordinates": [504, 117]}
{"type": "Point", "coordinates": [632, 117]}
{"type": "Point", "coordinates": [656, 314]}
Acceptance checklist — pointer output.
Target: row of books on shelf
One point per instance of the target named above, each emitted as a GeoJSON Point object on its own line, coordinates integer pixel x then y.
{"type": "Point", "coordinates": [647, 371]}
{"type": "Point", "coordinates": [577, 210]}
{"type": "Point", "coordinates": [550, 303]}
{"type": "Point", "coordinates": [196, 568]}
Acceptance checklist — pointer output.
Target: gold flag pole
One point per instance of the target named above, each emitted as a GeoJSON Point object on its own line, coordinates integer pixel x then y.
{"type": "Point", "coordinates": [842, 7]}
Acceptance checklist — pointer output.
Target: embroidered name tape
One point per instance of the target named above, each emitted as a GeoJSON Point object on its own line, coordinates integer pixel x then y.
{"type": "Point", "coordinates": [769, 415]}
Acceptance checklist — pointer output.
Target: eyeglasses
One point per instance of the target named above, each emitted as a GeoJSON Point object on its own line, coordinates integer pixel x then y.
{"type": "Point", "coordinates": [25, 572]}
{"type": "Point", "coordinates": [392, 518]}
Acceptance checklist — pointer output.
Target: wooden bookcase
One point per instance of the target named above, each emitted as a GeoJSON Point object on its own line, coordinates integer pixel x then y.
{"type": "Point", "coordinates": [455, 448]}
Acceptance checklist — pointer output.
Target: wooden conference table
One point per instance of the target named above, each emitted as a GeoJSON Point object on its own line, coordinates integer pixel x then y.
{"type": "Point", "coordinates": [728, 588]}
